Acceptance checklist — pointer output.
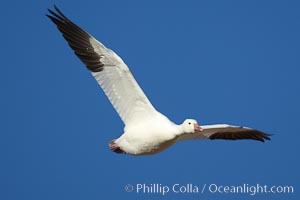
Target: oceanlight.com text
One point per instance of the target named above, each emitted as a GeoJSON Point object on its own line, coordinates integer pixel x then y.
{"type": "Point", "coordinates": [190, 188]}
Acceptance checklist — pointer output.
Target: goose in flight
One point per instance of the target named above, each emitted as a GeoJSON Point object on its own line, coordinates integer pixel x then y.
{"type": "Point", "coordinates": [146, 131]}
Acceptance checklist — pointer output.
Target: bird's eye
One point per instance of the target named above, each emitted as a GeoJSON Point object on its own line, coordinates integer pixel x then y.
{"type": "Point", "coordinates": [189, 123]}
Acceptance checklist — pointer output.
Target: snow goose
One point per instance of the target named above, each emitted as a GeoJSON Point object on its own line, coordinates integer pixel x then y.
{"type": "Point", "coordinates": [146, 131]}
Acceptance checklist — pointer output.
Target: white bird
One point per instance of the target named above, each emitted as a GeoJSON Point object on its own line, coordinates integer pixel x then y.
{"type": "Point", "coordinates": [146, 131]}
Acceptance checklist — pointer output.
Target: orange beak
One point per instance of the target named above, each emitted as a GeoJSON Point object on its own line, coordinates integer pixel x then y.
{"type": "Point", "coordinates": [197, 128]}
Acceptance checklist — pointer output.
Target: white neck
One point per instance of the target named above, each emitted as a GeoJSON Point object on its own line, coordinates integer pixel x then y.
{"type": "Point", "coordinates": [179, 130]}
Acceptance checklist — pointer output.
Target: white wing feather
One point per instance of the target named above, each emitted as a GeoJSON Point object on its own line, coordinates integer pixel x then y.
{"type": "Point", "coordinates": [120, 86]}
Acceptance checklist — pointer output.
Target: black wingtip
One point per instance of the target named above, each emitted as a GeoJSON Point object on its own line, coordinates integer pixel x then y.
{"type": "Point", "coordinates": [240, 133]}
{"type": "Point", "coordinates": [265, 137]}
{"type": "Point", "coordinates": [55, 7]}
{"type": "Point", "coordinates": [56, 15]}
{"type": "Point", "coordinates": [77, 38]}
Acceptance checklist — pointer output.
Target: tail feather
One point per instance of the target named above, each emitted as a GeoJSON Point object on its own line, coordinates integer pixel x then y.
{"type": "Point", "coordinates": [113, 146]}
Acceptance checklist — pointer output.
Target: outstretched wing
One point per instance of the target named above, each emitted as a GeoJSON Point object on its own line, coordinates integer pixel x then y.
{"type": "Point", "coordinates": [226, 132]}
{"type": "Point", "coordinates": [108, 69]}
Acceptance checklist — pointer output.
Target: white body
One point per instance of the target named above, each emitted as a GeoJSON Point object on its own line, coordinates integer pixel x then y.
{"type": "Point", "coordinates": [149, 136]}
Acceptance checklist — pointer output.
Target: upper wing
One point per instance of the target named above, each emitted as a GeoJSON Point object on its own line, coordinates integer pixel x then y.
{"type": "Point", "coordinates": [108, 69]}
{"type": "Point", "coordinates": [226, 132]}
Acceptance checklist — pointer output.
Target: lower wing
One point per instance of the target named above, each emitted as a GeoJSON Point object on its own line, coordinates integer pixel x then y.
{"type": "Point", "coordinates": [226, 132]}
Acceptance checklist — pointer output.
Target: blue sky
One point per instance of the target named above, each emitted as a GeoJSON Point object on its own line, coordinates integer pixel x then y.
{"type": "Point", "coordinates": [217, 61]}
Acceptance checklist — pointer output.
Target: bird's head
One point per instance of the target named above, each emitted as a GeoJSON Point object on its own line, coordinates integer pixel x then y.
{"type": "Point", "coordinates": [191, 126]}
